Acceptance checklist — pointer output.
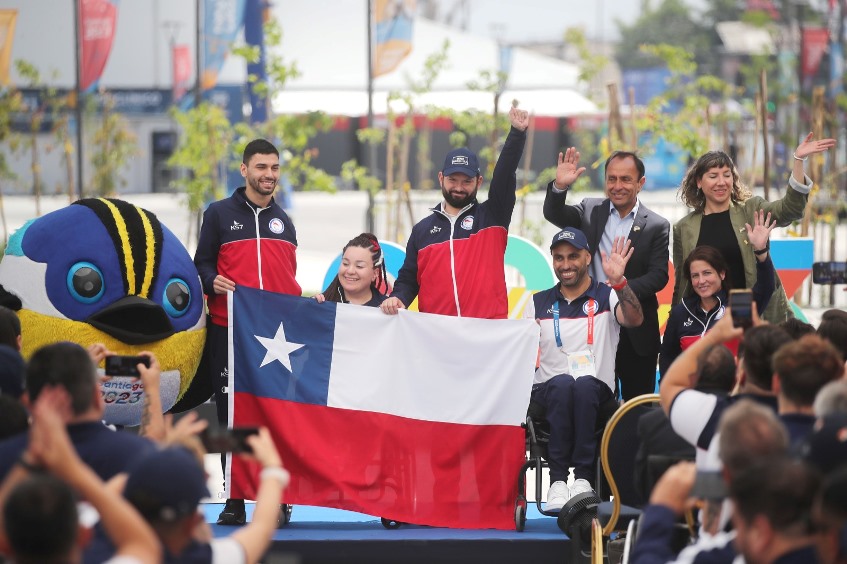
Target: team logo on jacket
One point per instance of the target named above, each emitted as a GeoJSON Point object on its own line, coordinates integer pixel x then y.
{"type": "Point", "coordinates": [276, 225]}
{"type": "Point", "coordinates": [719, 314]}
{"type": "Point", "coordinates": [236, 226]}
{"type": "Point", "coordinates": [589, 307]}
{"type": "Point", "coordinates": [434, 230]}
{"type": "Point", "coordinates": [467, 223]}
{"type": "Point", "coordinates": [688, 322]}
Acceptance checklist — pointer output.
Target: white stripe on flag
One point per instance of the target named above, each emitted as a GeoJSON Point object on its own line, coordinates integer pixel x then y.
{"type": "Point", "coordinates": [433, 367]}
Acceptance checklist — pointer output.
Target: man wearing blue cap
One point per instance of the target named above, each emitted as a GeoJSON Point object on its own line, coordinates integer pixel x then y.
{"type": "Point", "coordinates": [620, 214]}
{"type": "Point", "coordinates": [454, 257]}
{"type": "Point", "coordinates": [580, 320]}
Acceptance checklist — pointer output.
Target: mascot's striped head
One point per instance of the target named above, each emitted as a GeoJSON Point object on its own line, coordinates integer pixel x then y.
{"type": "Point", "coordinates": [103, 270]}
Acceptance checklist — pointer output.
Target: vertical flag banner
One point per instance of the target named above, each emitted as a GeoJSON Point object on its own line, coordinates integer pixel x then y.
{"type": "Point", "coordinates": [414, 417]}
{"type": "Point", "coordinates": [222, 19]}
{"type": "Point", "coordinates": [394, 19]}
{"type": "Point", "coordinates": [815, 40]}
{"type": "Point", "coordinates": [97, 18]}
{"type": "Point", "coordinates": [7, 38]}
{"type": "Point", "coordinates": [181, 60]}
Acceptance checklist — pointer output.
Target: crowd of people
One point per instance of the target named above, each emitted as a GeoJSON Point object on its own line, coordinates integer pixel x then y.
{"type": "Point", "coordinates": [764, 407]}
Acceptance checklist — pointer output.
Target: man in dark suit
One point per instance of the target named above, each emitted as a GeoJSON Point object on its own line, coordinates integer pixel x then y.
{"type": "Point", "coordinates": [603, 219]}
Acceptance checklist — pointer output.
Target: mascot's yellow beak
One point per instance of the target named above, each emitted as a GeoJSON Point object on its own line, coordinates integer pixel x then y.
{"type": "Point", "coordinates": [179, 351]}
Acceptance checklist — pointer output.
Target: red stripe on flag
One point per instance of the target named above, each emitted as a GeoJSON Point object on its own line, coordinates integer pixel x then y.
{"type": "Point", "coordinates": [421, 472]}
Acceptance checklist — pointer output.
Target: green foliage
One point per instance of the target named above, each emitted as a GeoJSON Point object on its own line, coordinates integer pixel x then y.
{"type": "Point", "coordinates": [203, 147]}
{"type": "Point", "coordinates": [114, 145]}
{"type": "Point", "coordinates": [688, 127]}
{"type": "Point", "coordinates": [590, 63]}
{"type": "Point", "coordinates": [672, 23]}
{"type": "Point", "coordinates": [351, 171]}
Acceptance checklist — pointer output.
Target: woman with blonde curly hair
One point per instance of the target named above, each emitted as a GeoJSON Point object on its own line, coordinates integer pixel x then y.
{"type": "Point", "coordinates": [723, 205]}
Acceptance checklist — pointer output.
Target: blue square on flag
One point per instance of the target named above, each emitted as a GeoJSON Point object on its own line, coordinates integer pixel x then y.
{"type": "Point", "coordinates": [290, 366]}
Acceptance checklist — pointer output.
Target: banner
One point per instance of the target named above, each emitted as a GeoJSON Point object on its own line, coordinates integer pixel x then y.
{"type": "Point", "coordinates": [97, 18]}
{"type": "Point", "coordinates": [815, 41]}
{"type": "Point", "coordinates": [222, 19]}
{"type": "Point", "coordinates": [181, 61]}
{"type": "Point", "coordinates": [7, 38]}
{"type": "Point", "coordinates": [394, 19]}
{"type": "Point", "coordinates": [414, 417]}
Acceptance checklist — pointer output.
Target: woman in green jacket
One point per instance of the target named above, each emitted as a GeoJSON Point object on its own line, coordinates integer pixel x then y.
{"type": "Point", "coordinates": [722, 206]}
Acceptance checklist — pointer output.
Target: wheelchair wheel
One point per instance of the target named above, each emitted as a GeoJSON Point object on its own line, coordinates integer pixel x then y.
{"type": "Point", "coordinates": [284, 515]}
{"type": "Point", "coordinates": [391, 523]}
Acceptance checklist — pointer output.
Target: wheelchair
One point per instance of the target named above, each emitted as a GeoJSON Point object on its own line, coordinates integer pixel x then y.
{"type": "Point", "coordinates": [537, 441]}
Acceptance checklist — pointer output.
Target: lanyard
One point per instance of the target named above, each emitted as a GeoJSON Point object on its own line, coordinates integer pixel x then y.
{"type": "Point", "coordinates": [557, 333]}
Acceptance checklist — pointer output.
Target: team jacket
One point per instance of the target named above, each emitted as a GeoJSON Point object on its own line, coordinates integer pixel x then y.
{"type": "Point", "coordinates": [251, 246]}
{"type": "Point", "coordinates": [688, 322]}
{"type": "Point", "coordinates": [456, 268]}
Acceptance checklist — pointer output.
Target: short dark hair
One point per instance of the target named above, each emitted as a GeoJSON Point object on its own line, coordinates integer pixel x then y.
{"type": "Point", "coordinates": [783, 490]}
{"type": "Point", "coordinates": [13, 417]}
{"type": "Point", "coordinates": [639, 164]}
{"type": "Point", "coordinates": [258, 147]}
{"type": "Point", "coordinates": [65, 364]}
{"type": "Point", "coordinates": [797, 328]}
{"type": "Point", "coordinates": [749, 432]}
{"type": "Point", "coordinates": [711, 256]}
{"type": "Point", "coordinates": [10, 327]}
{"type": "Point", "coordinates": [716, 367]}
{"type": "Point", "coordinates": [833, 327]}
{"type": "Point", "coordinates": [756, 353]}
{"type": "Point", "coordinates": [805, 366]}
{"type": "Point", "coordinates": [41, 520]}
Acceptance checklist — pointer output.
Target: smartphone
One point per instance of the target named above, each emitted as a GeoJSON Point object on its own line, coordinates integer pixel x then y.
{"type": "Point", "coordinates": [741, 305]}
{"type": "Point", "coordinates": [228, 440]}
{"type": "Point", "coordinates": [117, 365]}
{"type": "Point", "coordinates": [829, 273]}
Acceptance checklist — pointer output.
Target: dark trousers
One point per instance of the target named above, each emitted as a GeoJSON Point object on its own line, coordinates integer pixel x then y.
{"type": "Point", "coordinates": [635, 373]}
{"type": "Point", "coordinates": [217, 354]}
{"type": "Point", "coordinates": [571, 409]}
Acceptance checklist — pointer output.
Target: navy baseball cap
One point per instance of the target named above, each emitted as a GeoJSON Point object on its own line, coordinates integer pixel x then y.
{"type": "Point", "coordinates": [461, 160]}
{"type": "Point", "coordinates": [166, 484]}
{"type": "Point", "coordinates": [574, 237]}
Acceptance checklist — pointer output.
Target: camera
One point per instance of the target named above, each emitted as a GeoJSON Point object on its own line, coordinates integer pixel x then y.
{"type": "Point", "coordinates": [741, 306]}
{"type": "Point", "coordinates": [228, 440]}
{"type": "Point", "coordinates": [117, 365]}
{"type": "Point", "coordinates": [829, 272]}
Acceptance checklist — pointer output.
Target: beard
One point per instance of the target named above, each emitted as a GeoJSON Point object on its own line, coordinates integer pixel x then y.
{"type": "Point", "coordinates": [458, 202]}
{"type": "Point", "coordinates": [255, 184]}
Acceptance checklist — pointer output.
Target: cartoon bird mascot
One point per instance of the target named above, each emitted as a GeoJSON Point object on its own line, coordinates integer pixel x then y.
{"type": "Point", "coordinates": [106, 271]}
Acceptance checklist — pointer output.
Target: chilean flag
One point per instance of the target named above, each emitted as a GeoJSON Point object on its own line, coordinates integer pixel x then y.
{"type": "Point", "coordinates": [413, 417]}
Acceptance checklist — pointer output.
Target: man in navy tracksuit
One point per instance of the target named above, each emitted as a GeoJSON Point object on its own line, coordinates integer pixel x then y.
{"type": "Point", "coordinates": [454, 257]}
{"type": "Point", "coordinates": [245, 239]}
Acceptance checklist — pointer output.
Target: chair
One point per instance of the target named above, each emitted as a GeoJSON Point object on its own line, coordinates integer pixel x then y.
{"type": "Point", "coordinates": [537, 440]}
{"type": "Point", "coordinates": [617, 459]}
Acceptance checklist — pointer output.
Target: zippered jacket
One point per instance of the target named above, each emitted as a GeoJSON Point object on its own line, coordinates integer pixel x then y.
{"type": "Point", "coordinates": [688, 322]}
{"type": "Point", "coordinates": [457, 267]}
{"type": "Point", "coordinates": [251, 246]}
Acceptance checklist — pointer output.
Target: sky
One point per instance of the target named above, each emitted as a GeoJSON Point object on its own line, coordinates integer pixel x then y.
{"type": "Point", "coordinates": [545, 20]}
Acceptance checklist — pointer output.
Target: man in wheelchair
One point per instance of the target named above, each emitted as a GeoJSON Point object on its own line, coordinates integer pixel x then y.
{"type": "Point", "coordinates": [580, 320]}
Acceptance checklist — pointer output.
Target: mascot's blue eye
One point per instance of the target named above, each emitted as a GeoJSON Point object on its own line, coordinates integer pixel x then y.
{"type": "Point", "coordinates": [85, 282]}
{"type": "Point", "coordinates": [177, 297]}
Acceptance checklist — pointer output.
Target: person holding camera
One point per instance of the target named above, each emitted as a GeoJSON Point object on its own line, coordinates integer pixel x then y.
{"type": "Point", "coordinates": [722, 204]}
{"type": "Point", "coordinates": [708, 279]}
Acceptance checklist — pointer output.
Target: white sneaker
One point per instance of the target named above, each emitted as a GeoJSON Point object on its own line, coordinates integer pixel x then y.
{"type": "Point", "coordinates": [580, 487]}
{"type": "Point", "coordinates": [557, 496]}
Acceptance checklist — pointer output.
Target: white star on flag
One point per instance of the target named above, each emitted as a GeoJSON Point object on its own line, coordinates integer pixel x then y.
{"type": "Point", "coordinates": [278, 348]}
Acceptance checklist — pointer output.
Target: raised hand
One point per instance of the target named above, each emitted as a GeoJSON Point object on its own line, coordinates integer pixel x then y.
{"type": "Point", "coordinates": [519, 118]}
{"type": "Point", "coordinates": [760, 232]}
{"type": "Point", "coordinates": [614, 263]}
{"type": "Point", "coordinates": [568, 169]}
{"type": "Point", "coordinates": [810, 146]}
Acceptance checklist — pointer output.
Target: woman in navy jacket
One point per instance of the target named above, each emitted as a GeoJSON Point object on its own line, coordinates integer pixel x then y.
{"type": "Point", "coordinates": [706, 271]}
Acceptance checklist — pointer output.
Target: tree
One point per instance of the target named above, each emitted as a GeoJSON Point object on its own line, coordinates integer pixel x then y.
{"type": "Point", "coordinates": [206, 137]}
{"type": "Point", "coordinates": [671, 23]}
{"type": "Point", "coordinates": [114, 144]}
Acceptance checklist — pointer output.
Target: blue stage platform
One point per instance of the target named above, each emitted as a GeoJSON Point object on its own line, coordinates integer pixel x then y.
{"type": "Point", "coordinates": [322, 535]}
